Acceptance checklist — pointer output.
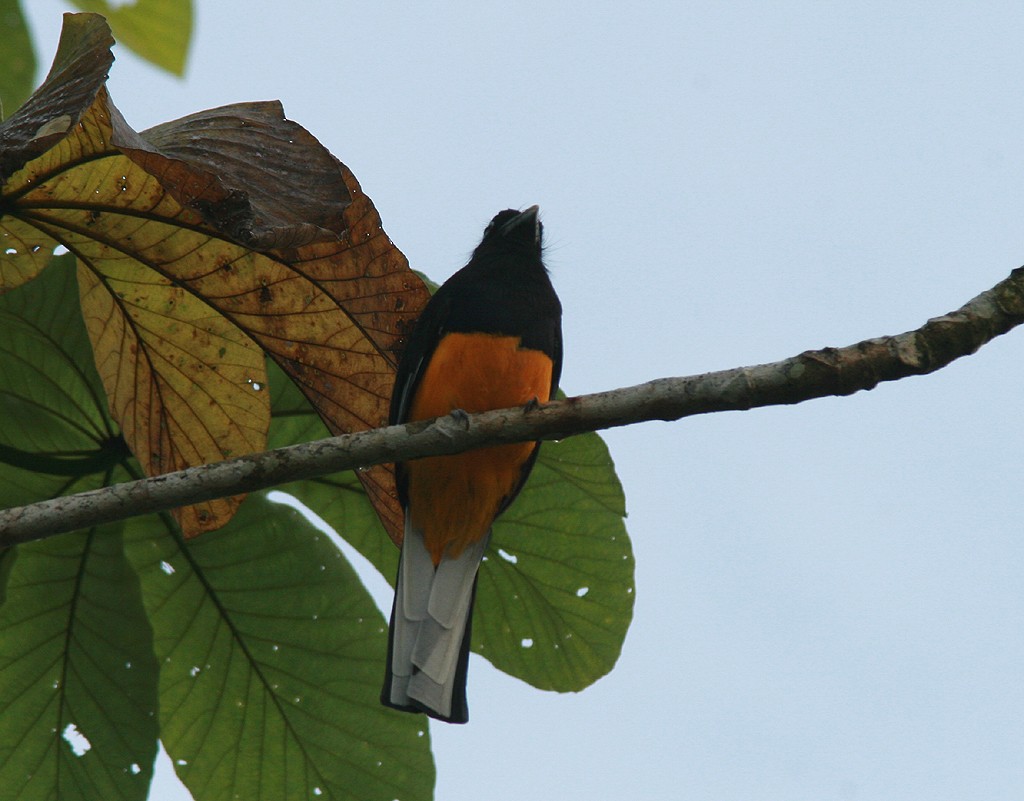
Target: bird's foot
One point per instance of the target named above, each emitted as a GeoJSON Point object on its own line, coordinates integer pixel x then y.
{"type": "Point", "coordinates": [460, 416]}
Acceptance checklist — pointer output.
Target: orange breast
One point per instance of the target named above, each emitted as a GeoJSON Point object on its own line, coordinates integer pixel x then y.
{"type": "Point", "coordinates": [454, 499]}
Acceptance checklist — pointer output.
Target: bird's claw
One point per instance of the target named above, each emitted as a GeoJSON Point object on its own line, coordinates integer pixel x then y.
{"type": "Point", "coordinates": [460, 416]}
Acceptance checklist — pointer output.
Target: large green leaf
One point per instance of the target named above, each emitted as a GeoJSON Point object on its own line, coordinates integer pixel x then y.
{"type": "Point", "coordinates": [75, 645]}
{"type": "Point", "coordinates": [271, 653]}
{"type": "Point", "coordinates": [555, 596]}
{"type": "Point", "coordinates": [17, 58]}
{"type": "Point", "coordinates": [7, 556]}
{"type": "Point", "coordinates": [338, 498]}
{"type": "Point", "coordinates": [56, 436]}
{"type": "Point", "coordinates": [558, 577]}
{"type": "Point", "coordinates": [158, 30]}
{"type": "Point", "coordinates": [255, 585]}
{"type": "Point", "coordinates": [77, 673]}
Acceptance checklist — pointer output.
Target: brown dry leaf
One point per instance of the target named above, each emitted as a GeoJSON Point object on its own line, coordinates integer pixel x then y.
{"type": "Point", "coordinates": [178, 302]}
{"type": "Point", "coordinates": [268, 182]}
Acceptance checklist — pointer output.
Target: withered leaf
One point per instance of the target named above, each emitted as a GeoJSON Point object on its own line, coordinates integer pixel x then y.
{"type": "Point", "coordinates": [79, 70]}
{"type": "Point", "coordinates": [194, 254]}
{"type": "Point", "coordinates": [269, 182]}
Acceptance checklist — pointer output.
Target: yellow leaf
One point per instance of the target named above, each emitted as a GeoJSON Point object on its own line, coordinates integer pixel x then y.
{"type": "Point", "coordinates": [199, 243]}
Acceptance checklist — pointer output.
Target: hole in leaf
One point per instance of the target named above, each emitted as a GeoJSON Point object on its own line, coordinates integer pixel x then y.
{"type": "Point", "coordinates": [508, 557]}
{"type": "Point", "coordinates": [79, 743]}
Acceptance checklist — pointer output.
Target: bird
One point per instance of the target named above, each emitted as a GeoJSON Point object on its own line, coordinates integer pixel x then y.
{"type": "Point", "coordinates": [489, 338]}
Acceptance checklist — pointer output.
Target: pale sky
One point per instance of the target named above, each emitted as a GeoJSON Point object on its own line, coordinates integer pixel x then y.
{"type": "Point", "coordinates": [829, 596]}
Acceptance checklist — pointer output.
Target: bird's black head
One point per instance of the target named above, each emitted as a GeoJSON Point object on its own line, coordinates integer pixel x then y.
{"type": "Point", "coordinates": [516, 231]}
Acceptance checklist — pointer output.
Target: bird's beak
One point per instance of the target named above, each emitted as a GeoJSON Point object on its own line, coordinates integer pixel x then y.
{"type": "Point", "coordinates": [524, 217]}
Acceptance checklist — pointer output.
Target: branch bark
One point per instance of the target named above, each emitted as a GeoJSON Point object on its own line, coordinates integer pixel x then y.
{"type": "Point", "coordinates": [812, 374]}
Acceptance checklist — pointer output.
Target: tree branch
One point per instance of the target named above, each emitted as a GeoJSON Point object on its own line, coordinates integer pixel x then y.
{"type": "Point", "coordinates": [812, 374]}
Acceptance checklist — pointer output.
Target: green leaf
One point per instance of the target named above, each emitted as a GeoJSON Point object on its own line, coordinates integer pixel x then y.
{"type": "Point", "coordinates": [56, 436]}
{"type": "Point", "coordinates": [232, 597]}
{"type": "Point", "coordinates": [17, 58]}
{"type": "Point", "coordinates": [78, 689]}
{"type": "Point", "coordinates": [7, 556]}
{"type": "Point", "coordinates": [555, 595]}
{"type": "Point", "coordinates": [557, 581]}
{"type": "Point", "coordinates": [338, 498]}
{"type": "Point", "coordinates": [271, 657]}
{"type": "Point", "coordinates": [159, 31]}
{"type": "Point", "coordinates": [75, 645]}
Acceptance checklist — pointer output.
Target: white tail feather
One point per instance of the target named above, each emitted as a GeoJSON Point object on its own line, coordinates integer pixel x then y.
{"type": "Point", "coordinates": [429, 622]}
{"type": "Point", "coordinates": [440, 638]}
{"type": "Point", "coordinates": [412, 595]}
{"type": "Point", "coordinates": [417, 567]}
{"type": "Point", "coordinates": [431, 694]}
{"type": "Point", "coordinates": [453, 584]}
